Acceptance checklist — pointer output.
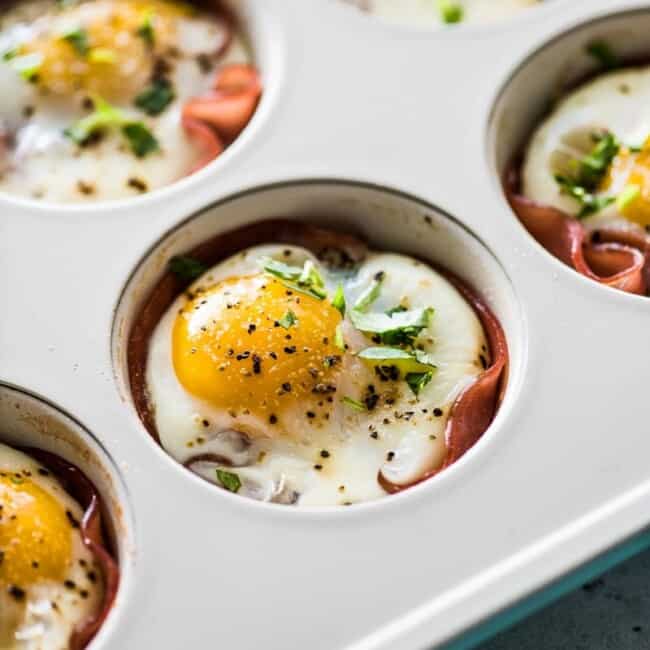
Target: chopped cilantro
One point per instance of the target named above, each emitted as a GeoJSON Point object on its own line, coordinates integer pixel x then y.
{"type": "Point", "coordinates": [229, 480]}
{"type": "Point", "coordinates": [154, 99]}
{"type": "Point", "coordinates": [404, 360]}
{"type": "Point", "coordinates": [589, 202]}
{"type": "Point", "coordinates": [140, 138]}
{"type": "Point", "coordinates": [417, 367]}
{"type": "Point", "coordinates": [354, 404]}
{"type": "Point", "coordinates": [10, 54]}
{"type": "Point", "coordinates": [590, 171]}
{"type": "Point", "coordinates": [78, 38]}
{"type": "Point", "coordinates": [395, 310]}
{"type": "Point", "coordinates": [186, 267]}
{"type": "Point", "coordinates": [288, 320]}
{"type": "Point", "coordinates": [603, 54]}
{"type": "Point", "coordinates": [104, 116]}
{"type": "Point", "coordinates": [339, 300]}
{"type": "Point", "coordinates": [401, 328]}
{"type": "Point", "coordinates": [305, 280]}
{"type": "Point", "coordinates": [368, 297]}
{"type": "Point", "coordinates": [593, 167]}
{"type": "Point", "coordinates": [418, 380]}
{"type": "Point", "coordinates": [146, 30]}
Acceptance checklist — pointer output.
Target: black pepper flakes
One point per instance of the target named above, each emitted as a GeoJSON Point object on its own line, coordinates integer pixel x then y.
{"type": "Point", "coordinates": [324, 453]}
{"type": "Point", "coordinates": [437, 412]}
{"type": "Point", "coordinates": [74, 522]}
{"type": "Point", "coordinates": [16, 592]}
{"type": "Point", "coordinates": [273, 419]}
{"type": "Point", "coordinates": [137, 184]}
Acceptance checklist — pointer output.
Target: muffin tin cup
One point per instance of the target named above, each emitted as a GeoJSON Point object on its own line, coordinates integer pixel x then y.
{"type": "Point", "coordinates": [365, 127]}
{"type": "Point", "coordinates": [27, 422]}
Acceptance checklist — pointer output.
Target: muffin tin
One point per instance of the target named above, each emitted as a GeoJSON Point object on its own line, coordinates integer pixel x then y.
{"type": "Point", "coordinates": [401, 134]}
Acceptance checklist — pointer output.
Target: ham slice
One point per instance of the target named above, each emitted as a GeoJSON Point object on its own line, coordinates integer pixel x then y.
{"type": "Point", "coordinates": [219, 116]}
{"type": "Point", "coordinates": [80, 488]}
{"type": "Point", "coordinates": [616, 258]}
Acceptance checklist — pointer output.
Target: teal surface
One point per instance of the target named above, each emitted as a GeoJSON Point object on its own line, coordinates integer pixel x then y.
{"type": "Point", "coordinates": [553, 592]}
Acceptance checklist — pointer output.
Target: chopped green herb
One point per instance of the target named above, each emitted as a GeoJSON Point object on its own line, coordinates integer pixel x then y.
{"type": "Point", "coordinates": [450, 12]}
{"type": "Point", "coordinates": [368, 297]}
{"type": "Point", "coordinates": [603, 54]}
{"type": "Point", "coordinates": [104, 116]}
{"type": "Point", "coordinates": [418, 380]}
{"type": "Point", "coordinates": [305, 280]}
{"type": "Point", "coordinates": [146, 30]}
{"type": "Point", "coordinates": [339, 300]}
{"type": "Point", "coordinates": [590, 171]}
{"type": "Point", "coordinates": [338, 337]}
{"type": "Point", "coordinates": [354, 404]}
{"type": "Point", "coordinates": [229, 480]}
{"type": "Point", "coordinates": [154, 99]}
{"type": "Point", "coordinates": [17, 480]}
{"type": "Point", "coordinates": [395, 310]}
{"type": "Point", "coordinates": [10, 54]}
{"type": "Point", "coordinates": [401, 328]}
{"type": "Point", "coordinates": [186, 267]}
{"type": "Point", "coordinates": [589, 202]}
{"type": "Point", "coordinates": [140, 138]}
{"type": "Point", "coordinates": [593, 167]}
{"type": "Point", "coordinates": [404, 360]}
{"type": "Point", "coordinates": [629, 194]}
{"type": "Point", "coordinates": [78, 38]}
{"type": "Point", "coordinates": [28, 66]}
{"type": "Point", "coordinates": [288, 320]}
{"type": "Point", "coordinates": [102, 55]}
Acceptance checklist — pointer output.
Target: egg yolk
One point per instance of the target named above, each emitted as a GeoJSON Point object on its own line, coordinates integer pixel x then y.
{"type": "Point", "coordinates": [250, 345]}
{"type": "Point", "coordinates": [105, 47]}
{"type": "Point", "coordinates": [632, 170]}
{"type": "Point", "coordinates": [35, 533]}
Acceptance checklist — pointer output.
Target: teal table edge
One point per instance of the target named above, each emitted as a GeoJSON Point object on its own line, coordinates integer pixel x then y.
{"type": "Point", "coordinates": [555, 590]}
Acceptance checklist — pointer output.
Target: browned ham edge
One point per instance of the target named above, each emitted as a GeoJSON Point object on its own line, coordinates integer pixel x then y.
{"type": "Point", "coordinates": [475, 408]}
{"type": "Point", "coordinates": [616, 258]}
{"type": "Point", "coordinates": [84, 492]}
{"type": "Point", "coordinates": [214, 120]}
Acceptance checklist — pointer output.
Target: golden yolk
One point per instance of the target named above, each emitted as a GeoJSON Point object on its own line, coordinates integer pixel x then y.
{"type": "Point", "coordinates": [35, 533]}
{"type": "Point", "coordinates": [113, 59]}
{"type": "Point", "coordinates": [230, 349]}
{"type": "Point", "coordinates": [632, 169]}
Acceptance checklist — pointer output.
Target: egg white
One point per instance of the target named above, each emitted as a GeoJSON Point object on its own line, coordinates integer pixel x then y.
{"type": "Point", "coordinates": [44, 164]}
{"type": "Point", "coordinates": [359, 443]}
{"type": "Point", "coordinates": [49, 613]}
{"type": "Point", "coordinates": [616, 102]}
{"type": "Point", "coordinates": [427, 12]}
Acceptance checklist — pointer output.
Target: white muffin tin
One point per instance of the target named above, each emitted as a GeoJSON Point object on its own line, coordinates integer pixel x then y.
{"type": "Point", "coordinates": [366, 126]}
